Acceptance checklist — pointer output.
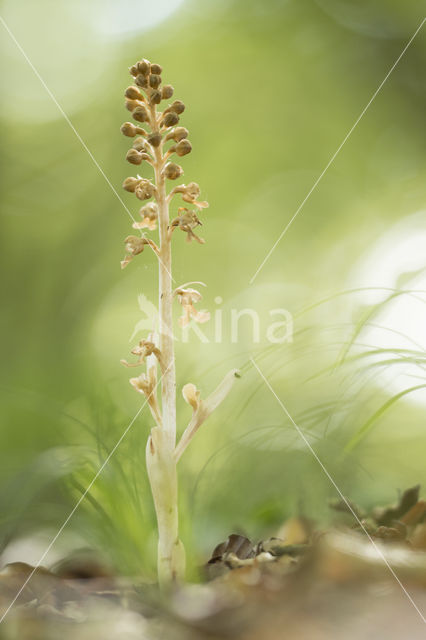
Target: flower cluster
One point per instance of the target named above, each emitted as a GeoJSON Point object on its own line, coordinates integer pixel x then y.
{"type": "Point", "coordinates": [157, 137]}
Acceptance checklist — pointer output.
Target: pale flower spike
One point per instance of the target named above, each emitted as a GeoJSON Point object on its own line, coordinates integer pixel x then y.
{"type": "Point", "coordinates": [157, 137]}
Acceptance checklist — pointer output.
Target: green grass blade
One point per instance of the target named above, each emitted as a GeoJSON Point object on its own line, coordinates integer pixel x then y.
{"type": "Point", "coordinates": [367, 426]}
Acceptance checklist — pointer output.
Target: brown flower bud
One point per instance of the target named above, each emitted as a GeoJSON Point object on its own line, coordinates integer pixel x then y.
{"type": "Point", "coordinates": [154, 81]}
{"type": "Point", "coordinates": [133, 70]}
{"type": "Point", "coordinates": [177, 134]}
{"type": "Point", "coordinates": [172, 171]}
{"type": "Point", "coordinates": [156, 68]}
{"type": "Point", "coordinates": [139, 144]}
{"type": "Point", "coordinates": [130, 184]}
{"type": "Point", "coordinates": [133, 93]}
{"type": "Point", "coordinates": [170, 119]}
{"type": "Point", "coordinates": [177, 106]}
{"type": "Point", "coordinates": [141, 81]}
{"type": "Point", "coordinates": [144, 190]}
{"type": "Point", "coordinates": [167, 91]}
{"type": "Point", "coordinates": [155, 97]}
{"type": "Point", "coordinates": [144, 67]}
{"type": "Point", "coordinates": [133, 156]}
{"type": "Point", "coordinates": [155, 139]}
{"type": "Point", "coordinates": [135, 245]}
{"type": "Point", "coordinates": [140, 114]}
{"type": "Point", "coordinates": [183, 147]}
{"type": "Point", "coordinates": [149, 209]}
{"type": "Point", "coordinates": [132, 104]}
{"type": "Point", "coordinates": [128, 129]}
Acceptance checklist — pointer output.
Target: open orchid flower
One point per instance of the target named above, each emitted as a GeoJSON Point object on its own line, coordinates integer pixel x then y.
{"type": "Point", "coordinates": [187, 298]}
{"type": "Point", "coordinates": [190, 193]}
{"type": "Point", "coordinates": [144, 349]}
{"type": "Point", "coordinates": [201, 409]}
{"type": "Point", "coordinates": [149, 215]}
{"type": "Point", "coordinates": [134, 245]}
{"type": "Point", "coordinates": [146, 383]}
{"type": "Point", "coordinates": [187, 221]}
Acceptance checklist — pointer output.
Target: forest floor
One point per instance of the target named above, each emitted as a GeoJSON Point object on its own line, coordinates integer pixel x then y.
{"type": "Point", "coordinates": [364, 577]}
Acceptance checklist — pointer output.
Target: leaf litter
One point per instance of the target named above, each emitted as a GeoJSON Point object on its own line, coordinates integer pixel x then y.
{"type": "Point", "coordinates": [303, 582]}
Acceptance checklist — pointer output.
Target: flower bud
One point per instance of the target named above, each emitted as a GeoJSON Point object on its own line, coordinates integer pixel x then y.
{"type": "Point", "coordinates": [141, 81]}
{"type": "Point", "coordinates": [133, 93]}
{"type": "Point", "coordinates": [134, 70]}
{"type": "Point", "coordinates": [177, 134]}
{"type": "Point", "coordinates": [140, 114]}
{"type": "Point", "coordinates": [130, 184]}
{"type": "Point", "coordinates": [177, 106]}
{"type": "Point", "coordinates": [155, 97]}
{"type": "Point", "coordinates": [144, 190]}
{"type": "Point", "coordinates": [183, 147]}
{"type": "Point", "coordinates": [135, 245]}
{"type": "Point", "coordinates": [167, 91]}
{"type": "Point", "coordinates": [155, 139]}
{"type": "Point", "coordinates": [170, 119]}
{"type": "Point", "coordinates": [144, 67]}
{"type": "Point", "coordinates": [139, 144]}
{"type": "Point", "coordinates": [133, 156]}
{"type": "Point", "coordinates": [150, 209]}
{"type": "Point", "coordinates": [128, 129]}
{"type": "Point", "coordinates": [132, 104]}
{"type": "Point", "coordinates": [154, 81]}
{"type": "Point", "coordinates": [156, 68]}
{"type": "Point", "coordinates": [172, 171]}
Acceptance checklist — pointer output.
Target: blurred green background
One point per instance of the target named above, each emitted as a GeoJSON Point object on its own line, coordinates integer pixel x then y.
{"type": "Point", "coordinates": [271, 88]}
